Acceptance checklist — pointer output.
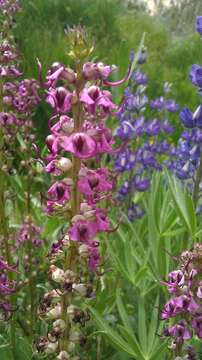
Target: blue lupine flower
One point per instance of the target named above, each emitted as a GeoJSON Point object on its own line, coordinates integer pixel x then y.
{"type": "Point", "coordinates": [198, 24]}
{"type": "Point", "coordinates": [167, 127]}
{"type": "Point", "coordinates": [125, 131]}
{"type": "Point", "coordinates": [157, 104]}
{"type": "Point", "coordinates": [171, 106]}
{"type": "Point", "coordinates": [197, 117]}
{"type": "Point", "coordinates": [141, 184]}
{"type": "Point", "coordinates": [186, 118]}
{"type": "Point", "coordinates": [139, 77]}
{"type": "Point", "coordinates": [196, 75]}
{"type": "Point", "coordinates": [135, 212]}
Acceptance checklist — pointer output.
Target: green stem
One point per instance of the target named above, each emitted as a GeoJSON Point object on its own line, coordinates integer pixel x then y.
{"type": "Point", "coordinates": [70, 256]}
{"type": "Point", "coordinates": [8, 256]}
{"type": "Point", "coordinates": [5, 230]}
{"type": "Point", "coordinates": [29, 253]}
{"type": "Point", "coordinates": [197, 183]}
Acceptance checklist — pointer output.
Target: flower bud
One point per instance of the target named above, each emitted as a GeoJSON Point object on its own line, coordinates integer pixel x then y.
{"type": "Point", "coordinates": [69, 75]}
{"type": "Point", "coordinates": [80, 289]}
{"type": "Point", "coordinates": [71, 311]}
{"type": "Point", "coordinates": [74, 336]}
{"type": "Point", "coordinates": [71, 346]}
{"type": "Point", "coordinates": [77, 218]}
{"type": "Point", "coordinates": [67, 124]}
{"type": "Point", "coordinates": [51, 347]}
{"type": "Point", "coordinates": [59, 323]}
{"type": "Point", "coordinates": [69, 275]}
{"type": "Point", "coordinates": [89, 214]}
{"type": "Point", "coordinates": [63, 355]}
{"type": "Point", "coordinates": [83, 250]}
{"type": "Point", "coordinates": [85, 207]}
{"type": "Point", "coordinates": [64, 164]}
{"type": "Point", "coordinates": [55, 313]}
{"type": "Point", "coordinates": [57, 274]}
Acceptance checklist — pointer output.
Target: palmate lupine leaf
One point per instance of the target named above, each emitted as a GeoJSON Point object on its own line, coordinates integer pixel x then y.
{"type": "Point", "coordinates": [122, 312]}
{"type": "Point", "coordinates": [118, 342]}
{"type": "Point", "coordinates": [153, 326]}
{"type": "Point", "coordinates": [183, 203]}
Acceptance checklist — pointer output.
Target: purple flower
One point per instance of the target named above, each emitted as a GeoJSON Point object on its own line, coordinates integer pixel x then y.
{"type": "Point", "coordinates": [176, 281]}
{"type": "Point", "coordinates": [4, 266]}
{"type": "Point", "coordinates": [197, 326]}
{"type": "Point", "coordinates": [196, 75]}
{"type": "Point", "coordinates": [171, 106]}
{"type": "Point", "coordinates": [95, 99]}
{"type": "Point", "coordinates": [198, 24]}
{"type": "Point", "coordinates": [7, 287]}
{"type": "Point", "coordinates": [153, 127]}
{"type": "Point", "coordinates": [5, 310]}
{"type": "Point", "coordinates": [29, 231]}
{"type": "Point", "coordinates": [125, 131]}
{"type": "Point", "coordinates": [102, 221]}
{"type": "Point", "coordinates": [135, 102]}
{"type": "Point", "coordinates": [9, 71]}
{"type": "Point", "coordinates": [91, 182]}
{"type": "Point", "coordinates": [59, 192]}
{"type": "Point", "coordinates": [167, 127]}
{"type": "Point", "coordinates": [141, 184]}
{"type": "Point", "coordinates": [7, 119]}
{"type": "Point", "coordinates": [135, 212]}
{"type": "Point", "coordinates": [94, 71]}
{"type": "Point", "coordinates": [197, 117]}
{"type": "Point", "coordinates": [59, 99]}
{"type": "Point", "coordinates": [179, 331]}
{"type": "Point", "coordinates": [82, 231]}
{"type": "Point", "coordinates": [59, 72]}
{"type": "Point", "coordinates": [80, 144]}
{"type": "Point", "coordinates": [157, 104]}
{"type": "Point", "coordinates": [186, 117]}
{"type": "Point", "coordinates": [139, 77]}
{"type": "Point", "coordinates": [64, 126]}
{"type": "Point", "coordinates": [199, 291]}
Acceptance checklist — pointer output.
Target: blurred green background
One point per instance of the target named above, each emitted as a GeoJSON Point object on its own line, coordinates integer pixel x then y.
{"type": "Point", "coordinates": [116, 27]}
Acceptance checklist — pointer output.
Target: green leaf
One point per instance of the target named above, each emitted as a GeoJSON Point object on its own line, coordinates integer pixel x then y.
{"type": "Point", "coordinates": [132, 341]}
{"type": "Point", "coordinates": [140, 275]}
{"type": "Point", "coordinates": [118, 342]}
{"type": "Point", "coordinates": [159, 350]}
{"type": "Point", "coordinates": [142, 326]}
{"type": "Point", "coordinates": [123, 313]}
{"type": "Point", "coordinates": [135, 61]}
{"type": "Point", "coordinates": [153, 326]}
{"type": "Point", "coordinates": [183, 204]}
{"type": "Point", "coordinates": [117, 262]}
{"type": "Point", "coordinates": [24, 349]}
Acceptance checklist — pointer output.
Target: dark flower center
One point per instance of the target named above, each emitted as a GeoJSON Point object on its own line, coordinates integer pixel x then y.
{"type": "Point", "coordinates": [93, 181]}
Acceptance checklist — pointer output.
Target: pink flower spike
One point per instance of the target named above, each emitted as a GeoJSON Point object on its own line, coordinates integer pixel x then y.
{"type": "Point", "coordinates": [59, 99]}
{"type": "Point", "coordinates": [64, 125]}
{"type": "Point", "coordinates": [199, 291]}
{"type": "Point", "coordinates": [92, 182]}
{"type": "Point", "coordinates": [52, 143]}
{"type": "Point", "coordinates": [82, 231]}
{"type": "Point", "coordinates": [102, 220]}
{"type": "Point", "coordinates": [85, 98]}
{"type": "Point", "coordinates": [59, 192]}
{"type": "Point", "coordinates": [51, 167]}
{"type": "Point", "coordinates": [81, 145]}
{"type": "Point", "coordinates": [104, 140]}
